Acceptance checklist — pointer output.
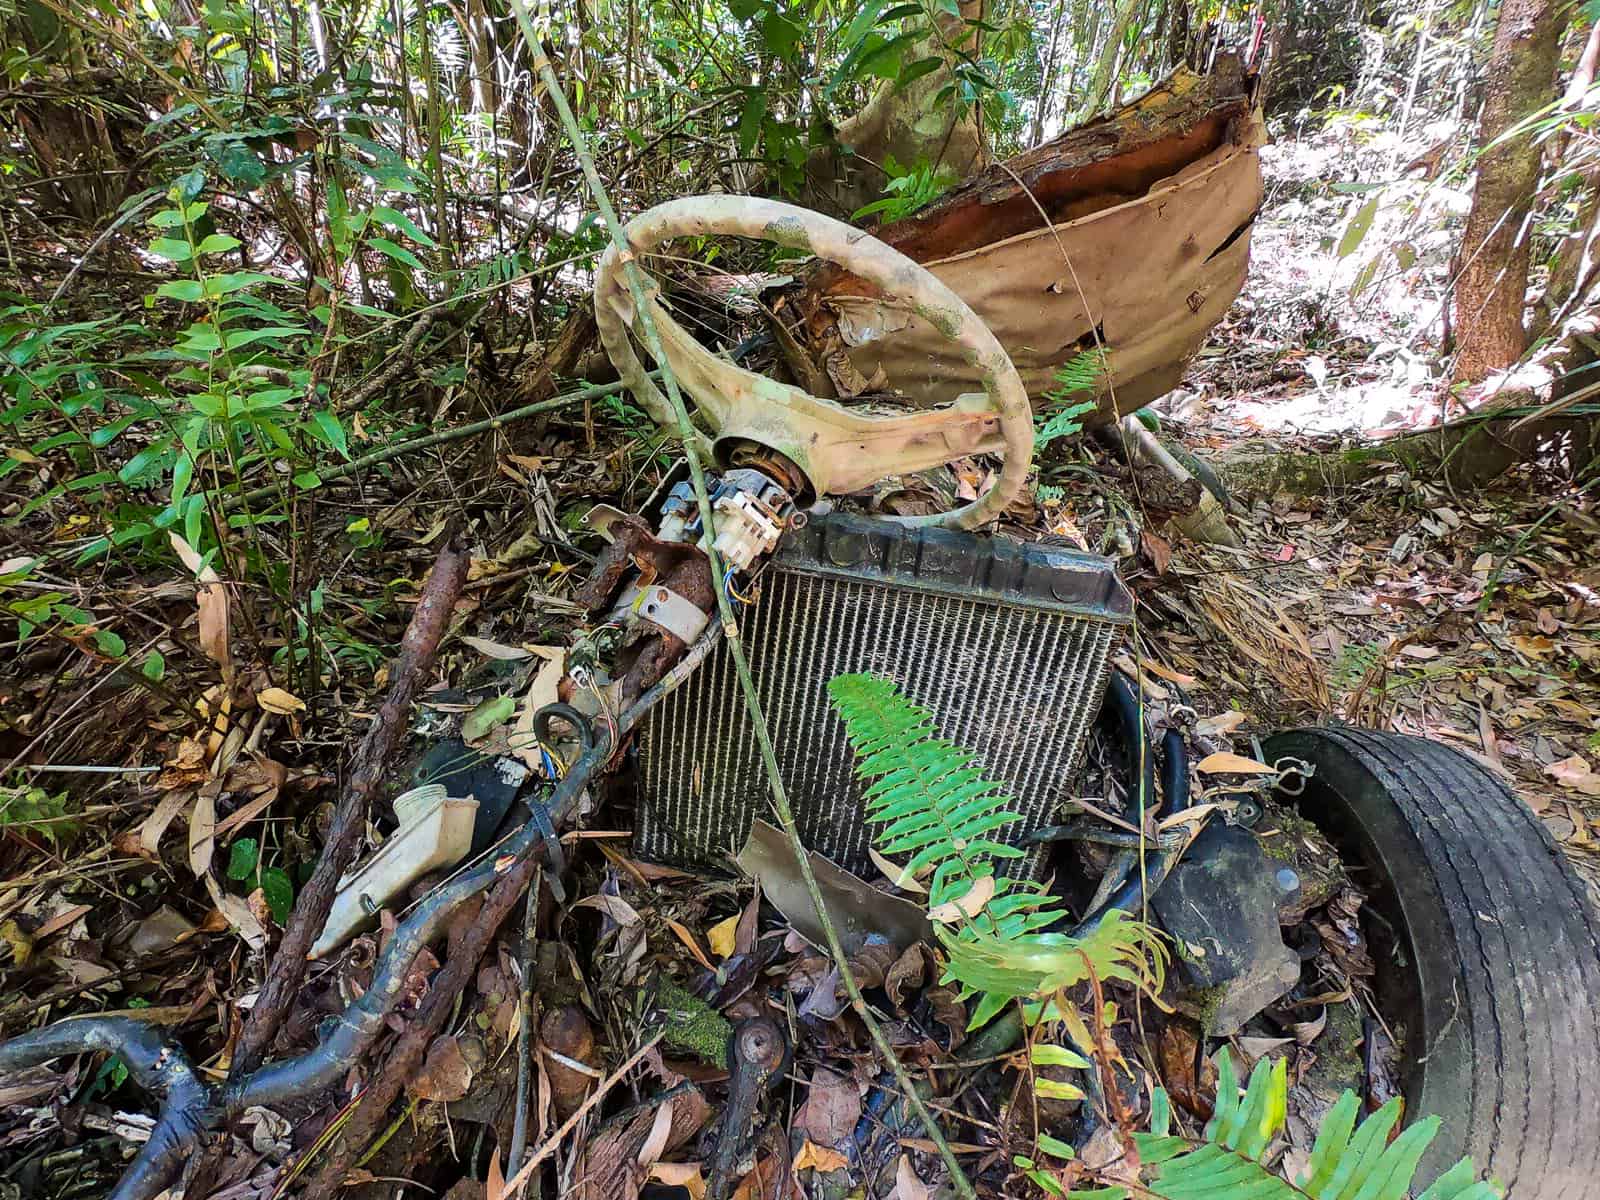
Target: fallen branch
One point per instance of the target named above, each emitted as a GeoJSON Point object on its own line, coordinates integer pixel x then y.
{"type": "Point", "coordinates": [406, 1058]}
{"type": "Point", "coordinates": [390, 371]}
{"type": "Point", "coordinates": [417, 651]}
{"type": "Point", "coordinates": [488, 424]}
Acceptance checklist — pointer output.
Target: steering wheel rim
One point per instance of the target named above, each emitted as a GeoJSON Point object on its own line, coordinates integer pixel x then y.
{"type": "Point", "coordinates": [1006, 411]}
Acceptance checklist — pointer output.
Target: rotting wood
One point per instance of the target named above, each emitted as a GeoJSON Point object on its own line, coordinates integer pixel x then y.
{"type": "Point", "coordinates": [1150, 212]}
{"type": "Point", "coordinates": [418, 649]}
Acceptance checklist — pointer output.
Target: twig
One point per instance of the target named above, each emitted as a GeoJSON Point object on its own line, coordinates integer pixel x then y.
{"type": "Point", "coordinates": [516, 1182]}
{"type": "Point", "coordinates": [780, 799]}
{"type": "Point", "coordinates": [390, 371]}
{"type": "Point", "coordinates": [356, 465]}
{"type": "Point", "coordinates": [417, 651]}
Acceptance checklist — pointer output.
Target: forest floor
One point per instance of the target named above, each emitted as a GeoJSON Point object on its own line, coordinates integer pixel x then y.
{"type": "Point", "coordinates": [1470, 618]}
{"type": "Point", "coordinates": [1473, 618]}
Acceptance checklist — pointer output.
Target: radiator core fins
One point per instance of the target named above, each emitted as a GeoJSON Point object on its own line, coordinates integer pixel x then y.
{"type": "Point", "coordinates": [1007, 643]}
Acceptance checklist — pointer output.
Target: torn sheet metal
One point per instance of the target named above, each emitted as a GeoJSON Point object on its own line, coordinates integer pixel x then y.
{"type": "Point", "coordinates": [1152, 208]}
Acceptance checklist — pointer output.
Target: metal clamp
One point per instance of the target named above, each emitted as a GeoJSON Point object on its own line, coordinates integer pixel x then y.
{"type": "Point", "coordinates": [662, 606]}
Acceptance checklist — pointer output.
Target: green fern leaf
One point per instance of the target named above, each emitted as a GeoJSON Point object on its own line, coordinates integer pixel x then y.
{"type": "Point", "coordinates": [1347, 1162]}
{"type": "Point", "coordinates": [929, 800]}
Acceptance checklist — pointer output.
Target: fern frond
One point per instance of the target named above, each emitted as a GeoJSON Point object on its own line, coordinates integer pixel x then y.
{"type": "Point", "coordinates": [929, 798]}
{"type": "Point", "coordinates": [1347, 1163]}
{"type": "Point", "coordinates": [932, 802]}
{"type": "Point", "coordinates": [1079, 374]}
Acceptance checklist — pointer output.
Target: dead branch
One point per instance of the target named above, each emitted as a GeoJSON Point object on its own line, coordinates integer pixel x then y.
{"type": "Point", "coordinates": [415, 663]}
{"type": "Point", "coordinates": [390, 370]}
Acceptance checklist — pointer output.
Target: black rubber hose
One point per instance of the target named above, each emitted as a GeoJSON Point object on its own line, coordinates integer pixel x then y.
{"type": "Point", "coordinates": [567, 714]}
{"type": "Point", "coordinates": [157, 1065]}
{"type": "Point", "coordinates": [1129, 895]}
{"type": "Point", "coordinates": [1135, 746]}
{"type": "Point", "coordinates": [1174, 773]}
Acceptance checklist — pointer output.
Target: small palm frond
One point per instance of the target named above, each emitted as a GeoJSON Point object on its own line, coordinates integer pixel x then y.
{"type": "Point", "coordinates": [931, 801]}
{"type": "Point", "coordinates": [1347, 1161]}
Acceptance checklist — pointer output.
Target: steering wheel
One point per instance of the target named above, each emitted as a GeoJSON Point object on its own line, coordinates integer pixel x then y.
{"type": "Point", "coordinates": [838, 449]}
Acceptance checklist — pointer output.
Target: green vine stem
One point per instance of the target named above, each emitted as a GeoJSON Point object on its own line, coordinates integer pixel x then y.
{"type": "Point", "coordinates": [780, 799]}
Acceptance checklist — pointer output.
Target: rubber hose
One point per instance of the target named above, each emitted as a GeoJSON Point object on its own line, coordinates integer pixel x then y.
{"type": "Point", "coordinates": [1129, 895]}
{"type": "Point", "coordinates": [567, 714]}
{"type": "Point", "coordinates": [1136, 746]}
{"type": "Point", "coordinates": [1174, 773]}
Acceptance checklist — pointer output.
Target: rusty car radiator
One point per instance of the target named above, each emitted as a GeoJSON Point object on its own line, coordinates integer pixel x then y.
{"type": "Point", "coordinates": [1006, 642]}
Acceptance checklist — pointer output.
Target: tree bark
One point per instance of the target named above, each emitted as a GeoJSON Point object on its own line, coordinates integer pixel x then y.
{"type": "Point", "coordinates": [1494, 257]}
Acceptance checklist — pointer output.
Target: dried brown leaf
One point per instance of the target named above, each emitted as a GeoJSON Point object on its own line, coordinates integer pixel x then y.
{"type": "Point", "coordinates": [687, 1176]}
{"type": "Point", "coordinates": [907, 1184]}
{"type": "Point", "coordinates": [720, 937]}
{"type": "Point", "coordinates": [276, 700]}
{"type": "Point", "coordinates": [1224, 763]}
{"type": "Point", "coordinates": [203, 829]}
{"type": "Point", "coordinates": [445, 1074]}
{"type": "Point", "coordinates": [969, 904]}
{"type": "Point", "coordinates": [819, 1158]}
{"type": "Point", "coordinates": [831, 1109]}
{"type": "Point", "coordinates": [1575, 773]}
{"type": "Point", "coordinates": [156, 823]}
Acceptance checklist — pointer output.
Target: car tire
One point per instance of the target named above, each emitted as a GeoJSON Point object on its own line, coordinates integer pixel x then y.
{"type": "Point", "coordinates": [1499, 979]}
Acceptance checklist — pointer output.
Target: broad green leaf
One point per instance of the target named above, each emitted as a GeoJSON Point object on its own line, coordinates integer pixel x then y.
{"type": "Point", "coordinates": [278, 891]}
{"type": "Point", "coordinates": [1054, 1089]}
{"type": "Point", "coordinates": [202, 337]}
{"type": "Point", "coordinates": [866, 17]}
{"type": "Point", "coordinates": [243, 856]}
{"type": "Point", "coordinates": [1055, 1147]}
{"type": "Point", "coordinates": [330, 430]}
{"type": "Point", "coordinates": [172, 249]}
{"type": "Point", "coordinates": [109, 642]}
{"type": "Point", "coordinates": [396, 219]}
{"type": "Point", "coordinates": [188, 290]}
{"type": "Point", "coordinates": [142, 463]}
{"type": "Point", "coordinates": [750, 117]}
{"type": "Point", "coordinates": [1046, 1055]}
{"type": "Point", "coordinates": [1357, 228]}
{"type": "Point", "coordinates": [397, 252]}
{"type": "Point", "coordinates": [217, 243]}
{"type": "Point", "coordinates": [182, 473]}
{"type": "Point", "coordinates": [914, 71]}
{"type": "Point", "coordinates": [245, 337]}
{"type": "Point", "coordinates": [233, 281]}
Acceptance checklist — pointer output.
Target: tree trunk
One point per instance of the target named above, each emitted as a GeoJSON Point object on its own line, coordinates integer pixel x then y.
{"type": "Point", "coordinates": [1493, 279]}
{"type": "Point", "coordinates": [1575, 256]}
{"type": "Point", "coordinates": [1100, 87]}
